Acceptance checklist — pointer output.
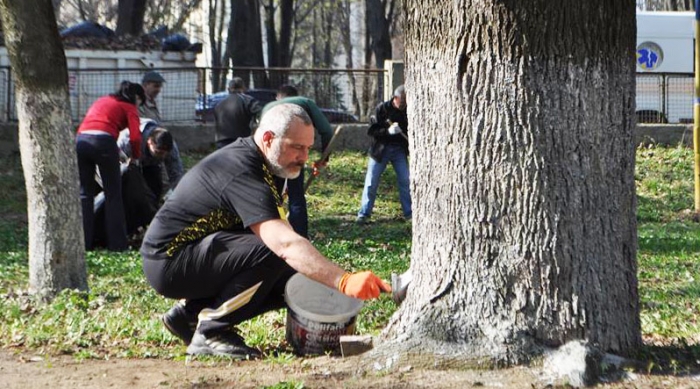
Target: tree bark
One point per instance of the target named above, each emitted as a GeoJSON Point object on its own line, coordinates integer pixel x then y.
{"type": "Point", "coordinates": [378, 30]}
{"type": "Point", "coordinates": [345, 10]}
{"type": "Point", "coordinates": [217, 13]}
{"type": "Point", "coordinates": [56, 243]}
{"type": "Point", "coordinates": [130, 17]}
{"type": "Point", "coordinates": [245, 39]}
{"type": "Point", "coordinates": [522, 159]}
{"type": "Point", "coordinates": [285, 41]}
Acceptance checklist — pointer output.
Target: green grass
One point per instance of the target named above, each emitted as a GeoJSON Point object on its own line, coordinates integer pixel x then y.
{"type": "Point", "coordinates": [119, 316]}
{"type": "Point", "coordinates": [669, 245]}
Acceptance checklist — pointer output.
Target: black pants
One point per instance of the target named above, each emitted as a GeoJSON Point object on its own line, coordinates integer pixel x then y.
{"type": "Point", "coordinates": [153, 174]}
{"type": "Point", "coordinates": [233, 277]}
{"type": "Point", "coordinates": [101, 151]}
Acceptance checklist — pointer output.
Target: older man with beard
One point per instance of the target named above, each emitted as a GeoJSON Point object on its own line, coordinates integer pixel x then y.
{"type": "Point", "coordinates": [221, 242]}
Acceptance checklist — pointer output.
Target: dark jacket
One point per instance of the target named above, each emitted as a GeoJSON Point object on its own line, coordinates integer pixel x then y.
{"type": "Point", "coordinates": [235, 117]}
{"type": "Point", "coordinates": [384, 115]}
{"type": "Point", "coordinates": [172, 162]}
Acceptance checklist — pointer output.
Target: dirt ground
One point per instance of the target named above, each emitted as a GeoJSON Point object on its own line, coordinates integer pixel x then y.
{"type": "Point", "coordinates": [27, 371]}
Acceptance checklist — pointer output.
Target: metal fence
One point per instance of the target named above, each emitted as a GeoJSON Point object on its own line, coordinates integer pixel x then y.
{"type": "Point", "coordinates": [340, 93]}
{"type": "Point", "coordinates": [664, 97]}
{"type": "Point", "coordinates": [343, 94]}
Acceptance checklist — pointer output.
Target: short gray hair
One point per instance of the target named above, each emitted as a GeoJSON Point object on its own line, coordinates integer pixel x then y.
{"type": "Point", "coordinates": [279, 117]}
{"type": "Point", "coordinates": [399, 91]}
{"type": "Point", "coordinates": [236, 83]}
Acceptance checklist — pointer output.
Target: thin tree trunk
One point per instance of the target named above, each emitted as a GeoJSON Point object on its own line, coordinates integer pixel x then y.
{"type": "Point", "coordinates": [522, 157]}
{"type": "Point", "coordinates": [286, 21]}
{"type": "Point", "coordinates": [345, 9]}
{"type": "Point", "coordinates": [185, 13]}
{"type": "Point", "coordinates": [219, 59]}
{"type": "Point", "coordinates": [56, 243]}
{"type": "Point", "coordinates": [378, 31]}
{"type": "Point", "coordinates": [245, 39]}
{"type": "Point", "coordinates": [271, 32]}
{"type": "Point", "coordinates": [130, 17]}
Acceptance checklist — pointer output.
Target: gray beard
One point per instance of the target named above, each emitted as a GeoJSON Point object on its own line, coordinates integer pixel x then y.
{"type": "Point", "coordinates": [278, 169]}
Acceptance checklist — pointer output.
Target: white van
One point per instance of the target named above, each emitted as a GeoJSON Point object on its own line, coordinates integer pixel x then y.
{"type": "Point", "coordinates": [665, 44]}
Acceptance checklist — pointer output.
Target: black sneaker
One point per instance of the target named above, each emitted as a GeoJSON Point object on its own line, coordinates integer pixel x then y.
{"type": "Point", "coordinates": [180, 322]}
{"type": "Point", "coordinates": [226, 343]}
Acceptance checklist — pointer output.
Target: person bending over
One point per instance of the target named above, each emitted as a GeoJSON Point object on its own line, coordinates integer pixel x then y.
{"type": "Point", "coordinates": [96, 145]}
{"type": "Point", "coordinates": [159, 152]}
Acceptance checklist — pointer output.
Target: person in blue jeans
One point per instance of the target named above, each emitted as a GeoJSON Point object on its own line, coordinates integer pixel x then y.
{"type": "Point", "coordinates": [389, 131]}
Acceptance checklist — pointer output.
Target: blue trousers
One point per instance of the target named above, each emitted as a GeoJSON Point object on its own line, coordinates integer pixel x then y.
{"type": "Point", "coordinates": [298, 213]}
{"type": "Point", "coordinates": [399, 161]}
{"type": "Point", "coordinates": [101, 151]}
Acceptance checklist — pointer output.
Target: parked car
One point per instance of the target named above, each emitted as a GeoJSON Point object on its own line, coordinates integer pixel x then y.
{"type": "Point", "coordinates": [337, 116]}
{"type": "Point", "coordinates": [264, 96]}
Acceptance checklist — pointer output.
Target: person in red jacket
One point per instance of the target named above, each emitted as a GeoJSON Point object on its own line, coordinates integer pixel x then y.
{"type": "Point", "coordinates": [96, 144]}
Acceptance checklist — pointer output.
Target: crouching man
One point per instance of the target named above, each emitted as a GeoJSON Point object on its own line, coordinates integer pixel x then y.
{"type": "Point", "coordinates": [221, 242]}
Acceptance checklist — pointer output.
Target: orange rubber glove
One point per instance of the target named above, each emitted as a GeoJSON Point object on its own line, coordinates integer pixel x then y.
{"type": "Point", "coordinates": [317, 166]}
{"type": "Point", "coordinates": [363, 285]}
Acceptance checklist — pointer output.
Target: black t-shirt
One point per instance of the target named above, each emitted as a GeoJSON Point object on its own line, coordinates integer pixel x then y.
{"type": "Point", "coordinates": [229, 190]}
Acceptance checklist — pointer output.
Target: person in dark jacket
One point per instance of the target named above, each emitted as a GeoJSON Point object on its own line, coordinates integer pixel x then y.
{"type": "Point", "coordinates": [236, 115]}
{"type": "Point", "coordinates": [389, 131]}
{"type": "Point", "coordinates": [158, 150]}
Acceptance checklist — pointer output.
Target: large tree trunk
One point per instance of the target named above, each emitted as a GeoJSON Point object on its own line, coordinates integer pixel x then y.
{"type": "Point", "coordinates": [56, 245]}
{"type": "Point", "coordinates": [522, 148]}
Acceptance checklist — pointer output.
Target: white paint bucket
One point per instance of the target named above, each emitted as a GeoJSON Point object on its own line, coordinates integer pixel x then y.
{"type": "Point", "coordinates": [317, 316]}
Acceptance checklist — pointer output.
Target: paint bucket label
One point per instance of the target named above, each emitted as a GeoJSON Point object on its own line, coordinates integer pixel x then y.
{"type": "Point", "coordinates": [309, 337]}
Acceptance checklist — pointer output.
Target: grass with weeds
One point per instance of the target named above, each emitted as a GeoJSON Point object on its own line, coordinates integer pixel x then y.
{"type": "Point", "coordinates": [120, 315]}
{"type": "Point", "coordinates": [286, 385]}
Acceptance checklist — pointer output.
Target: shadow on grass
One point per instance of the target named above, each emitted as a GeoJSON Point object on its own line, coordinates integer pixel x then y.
{"type": "Point", "coordinates": [649, 209]}
{"type": "Point", "coordinates": [379, 230]}
{"type": "Point", "coordinates": [669, 238]}
{"type": "Point", "coordinates": [675, 359]}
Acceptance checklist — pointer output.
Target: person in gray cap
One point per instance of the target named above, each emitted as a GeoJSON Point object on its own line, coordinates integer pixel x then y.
{"type": "Point", "coordinates": [152, 83]}
{"type": "Point", "coordinates": [388, 129]}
